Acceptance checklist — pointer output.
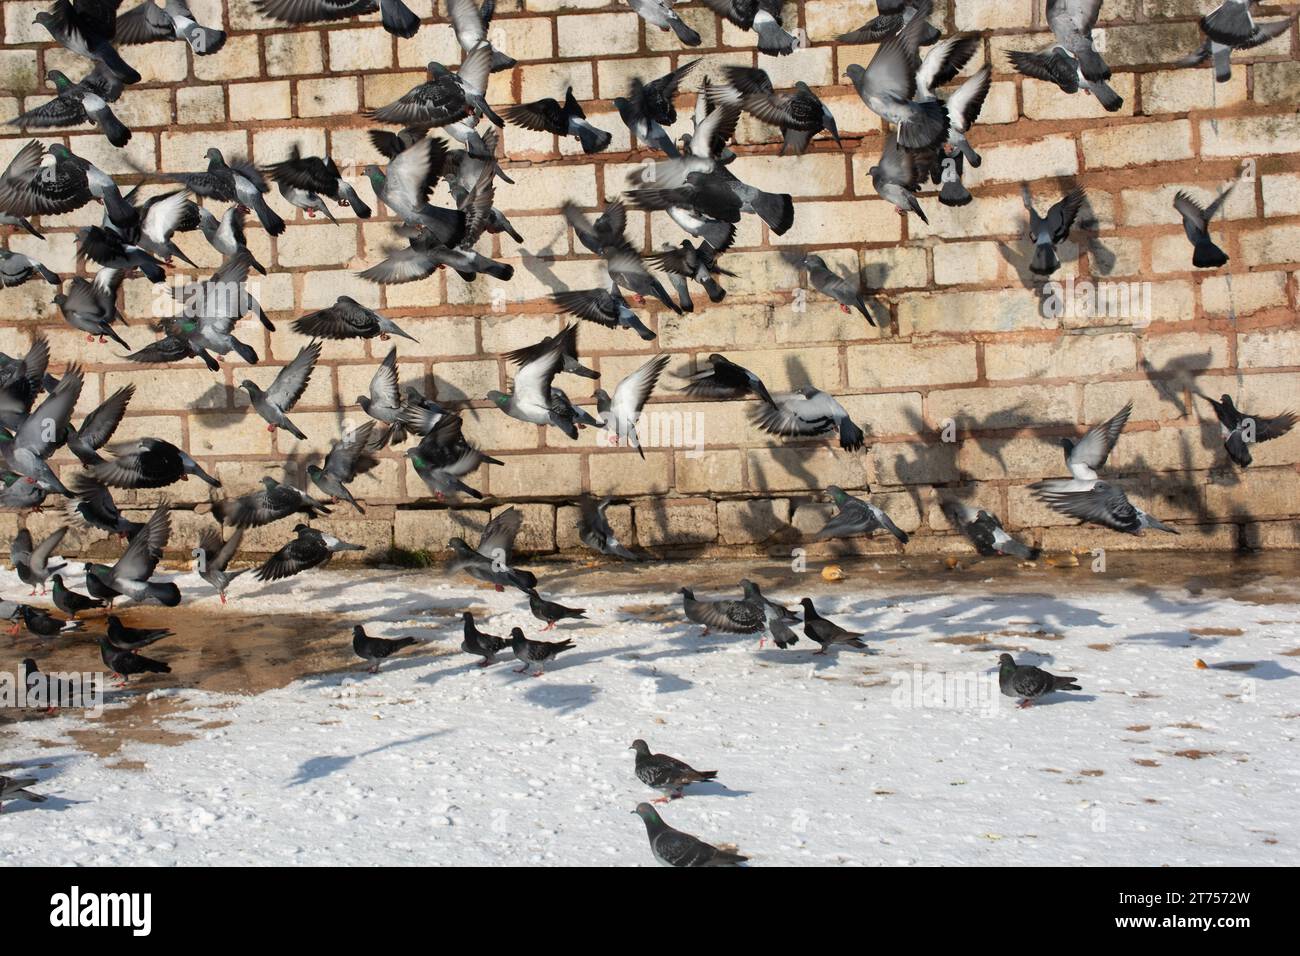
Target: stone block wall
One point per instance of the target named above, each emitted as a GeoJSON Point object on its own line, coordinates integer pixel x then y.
{"type": "Point", "coordinates": [963, 338]}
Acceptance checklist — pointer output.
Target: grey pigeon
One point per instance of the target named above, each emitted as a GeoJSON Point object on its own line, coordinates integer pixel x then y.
{"type": "Point", "coordinates": [130, 575]}
{"type": "Point", "coordinates": [93, 507]}
{"type": "Point", "coordinates": [1072, 21]}
{"type": "Point", "coordinates": [486, 646]}
{"type": "Point", "coordinates": [761, 16]}
{"type": "Point", "coordinates": [697, 263]}
{"type": "Point", "coordinates": [35, 440]}
{"type": "Point", "coordinates": [42, 623]}
{"type": "Point", "coordinates": [92, 307]}
{"type": "Point", "coordinates": [444, 97]}
{"type": "Point", "coordinates": [352, 455]}
{"type": "Point", "coordinates": [348, 319]}
{"type": "Point", "coordinates": [675, 848]}
{"type": "Point", "coordinates": [723, 378]}
{"type": "Point", "coordinates": [660, 13]}
{"type": "Point", "coordinates": [215, 556]}
{"type": "Point", "coordinates": [1241, 430]}
{"type": "Point", "coordinates": [490, 561]}
{"type": "Point", "coordinates": [31, 187]}
{"type": "Point", "coordinates": [846, 291]}
{"type": "Point", "coordinates": [595, 532]}
{"type": "Point", "coordinates": [897, 178]}
{"type": "Point", "coordinates": [1196, 224]}
{"type": "Point", "coordinates": [1047, 232]}
{"type": "Point", "coordinates": [568, 338]}
{"type": "Point", "coordinates": [149, 463]}
{"type": "Point", "coordinates": [1056, 65]}
{"type": "Point", "coordinates": [376, 649]}
{"type": "Point", "coordinates": [604, 307]}
{"type": "Point", "coordinates": [77, 103]}
{"type": "Point", "coordinates": [16, 268]}
{"type": "Point", "coordinates": [666, 774]}
{"type": "Point", "coordinates": [444, 457]}
{"type": "Point", "coordinates": [1228, 27]}
{"type": "Point", "coordinates": [226, 235]}
{"type": "Point", "coordinates": [825, 632]}
{"type": "Point", "coordinates": [530, 398]}
{"type": "Point", "coordinates": [799, 114]}
{"type": "Point", "coordinates": [276, 402]}
{"type": "Point", "coordinates": [567, 119]}
{"type": "Point", "coordinates": [404, 185]}
{"type": "Point", "coordinates": [777, 617]}
{"type": "Point", "coordinates": [113, 252]}
{"type": "Point", "coordinates": [88, 29]}
{"type": "Point", "coordinates": [395, 16]}
{"type": "Point", "coordinates": [1103, 504]}
{"type": "Point", "coordinates": [888, 86]}
{"type": "Point", "coordinates": [150, 23]}
{"type": "Point", "coordinates": [273, 502]}
{"type": "Point", "coordinates": [32, 562]}
{"type": "Point", "coordinates": [238, 182]}
{"type": "Point", "coordinates": [892, 16]}
{"type": "Point", "coordinates": [1029, 683]}
{"type": "Point", "coordinates": [384, 403]}
{"type": "Point", "coordinates": [15, 788]}
{"type": "Point", "coordinates": [809, 411]}
{"type": "Point", "coordinates": [622, 413]}
{"type": "Point", "coordinates": [551, 611]}
{"type": "Point", "coordinates": [309, 549]}
{"type": "Point", "coordinates": [534, 654]}
{"type": "Point", "coordinates": [731, 617]}
{"type": "Point", "coordinates": [856, 517]}
{"type": "Point", "coordinates": [985, 531]}
{"type": "Point", "coordinates": [471, 23]}
{"type": "Point", "coordinates": [304, 179]}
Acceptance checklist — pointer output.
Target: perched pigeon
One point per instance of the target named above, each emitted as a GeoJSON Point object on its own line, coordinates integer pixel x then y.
{"type": "Point", "coordinates": [15, 788]}
{"type": "Point", "coordinates": [490, 561]}
{"type": "Point", "coordinates": [132, 639]}
{"type": "Point", "coordinates": [215, 556]}
{"type": "Point", "coordinates": [348, 319]}
{"type": "Point", "coordinates": [1230, 27]}
{"type": "Point", "coordinates": [732, 617]}
{"type": "Point", "coordinates": [675, 848]}
{"type": "Point", "coordinates": [349, 456]}
{"type": "Point", "coordinates": [660, 13]}
{"type": "Point", "coordinates": [33, 563]}
{"type": "Point", "coordinates": [88, 29]}
{"type": "Point", "coordinates": [124, 664]}
{"type": "Point", "coordinates": [551, 612]}
{"type": "Point", "coordinates": [276, 402]}
{"type": "Point", "coordinates": [443, 458]}
{"type": "Point", "coordinates": [309, 549]}
{"type": "Point", "coordinates": [986, 532]}
{"type": "Point", "coordinates": [70, 602]}
{"type": "Point", "coordinates": [1196, 223]}
{"type": "Point", "coordinates": [1048, 232]}
{"type": "Point", "coordinates": [824, 632]}
{"type": "Point", "coordinates": [725, 379]}
{"type": "Point", "coordinates": [809, 411]}
{"type": "Point", "coordinates": [149, 463]}
{"type": "Point", "coordinates": [888, 86]}
{"type": "Point", "coordinates": [77, 103]}
{"type": "Point", "coordinates": [534, 653]}
{"type": "Point", "coordinates": [149, 23]}
{"type": "Point", "coordinates": [856, 517]}
{"type": "Point", "coordinates": [130, 575]}
{"type": "Point", "coordinates": [273, 502]}
{"type": "Point", "coordinates": [596, 533]}
{"type": "Point", "coordinates": [1029, 683]}
{"type": "Point", "coordinates": [1240, 430]}
{"type": "Point", "coordinates": [547, 115]}
{"type": "Point", "coordinates": [761, 16]}
{"type": "Point", "coordinates": [666, 774]}
{"type": "Point", "coordinates": [376, 649]}
{"type": "Point", "coordinates": [622, 413]}
{"type": "Point", "coordinates": [42, 624]}
{"type": "Point", "coordinates": [486, 646]}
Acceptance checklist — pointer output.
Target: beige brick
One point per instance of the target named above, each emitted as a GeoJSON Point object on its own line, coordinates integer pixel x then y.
{"type": "Point", "coordinates": [1251, 135]}
{"type": "Point", "coordinates": [755, 521]}
{"type": "Point", "coordinates": [1178, 91]}
{"type": "Point", "coordinates": [965, 312]}
{"type": "Point", "coordinates": [1069, 357]}
{"type": "Point", "coordinates": [597, 34]}
{"type": "Point", "coordinates": [1275, 82]}
{"type": "Point", "coordinates": [712, 472]}
{"type": "Point", "coordinates": [1269, 348]}
{"type": "Point", "coordinates": [1045, 101]}
{"type": "Point", "coordinates": [237, 59]}
{"type": "Point", "coordinates": [325, 97]}
{"type": "Point", "coordinates": [1244, 293]}
{"type": "Point", "coordinates": [1138, 144]}
{"type": "Point", "coordinates": [270, 100]}
{"type": "Point", "coordinates": [889, 366]}
{"type": "Point", "coordinates": [537, 475]}
{"type": "Point", "coordinates": [674, 522]}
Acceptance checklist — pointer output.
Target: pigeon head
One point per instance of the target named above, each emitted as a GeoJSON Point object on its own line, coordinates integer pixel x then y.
{"type": "Point", "coordinates": [837, 494]}
{"type": "Point", "coordinates": [299, 528]}
{"type": "Point", "coordinates": [516, 635]}
{"type": "Point", "coordinates": [647, 813]}
{"type": "Point", "coordinates": [270, 483]}
{"type": "Point", "coordinates": [213, 155]}
{"type": "Point", "coordinates": [314, 472]}
{"type": "Point", "coordinates": [58, 78]}
{"type": "Point", "coordinates": [499, 398]}
{"type": "Point", "coordinates": [806, 604]}
{"type": "Point", "coordinates": [640, 746]}
{"type": "Point", "coordinates": [458, 545]}
{"type": "Point", "coordinates": [855, 73]}
{"type": "Point", "coordinates": [437, 69]}
{"type": "Point", "coordinates": [44, 18]}
{"type": "Point", "coordinates": [358, 631]}
{"type": "Point", "coordinates": [250, 386]}
{"type": "Point", "coordinates": [1006, 660]}
{"type": "Point", "coordinates": [1226, 401]}
{"type": "Point", "coordinates": [685, 592]}
{"type": "Point", "coordinates": [374, 175]}
{"type": "Point", "coordinates": [467, 617]}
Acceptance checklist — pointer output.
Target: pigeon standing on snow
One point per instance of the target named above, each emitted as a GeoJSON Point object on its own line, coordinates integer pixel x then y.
{"type": "Point", "coordinates": [1027, 682]}
{"type": "Point", "coordinates": [537, 653]}
{"type": "Point", "coordinates": [856, 517]}
{"type": "Point", "coordinates": [376, 649]}
{"type": "Point", "coordinates": [675, 848]}
{"type": "Point", "coordinates": [825, 632]}
{"type": "Point", "coordinates": [986, 532]}
{"type": "Point", "coordinates": [551, 612]}
{"type": "Point", "coordinates": [1240, 430]}
{"type": "Point", "coordinates": [310, 549]}
{"type": "Point", "coordinates": [666, 774]}
{"type": "Point", "coordinates": [276, 402]}
{"type": "Point", "coordinates": [777, 617]}
{"type": "Point", "coordinates": [70, 602]}
{"type": "Point", "coordinates": [1048, 232]}
{"type": "Point", "coordinates": [486, 646]}
{"type": "Point", "coordinates": [660, 13]}
{"type": "Point", "coordinates": [731, 617]}
{"type": "Point", "coordinates": [1196, 224]}
{"type": "Point", "coordinates": [809, 411]}
{"type": "Point", "coordinates": [1230, 27]}
{"type": "Point", "coordinates": [15, 788]}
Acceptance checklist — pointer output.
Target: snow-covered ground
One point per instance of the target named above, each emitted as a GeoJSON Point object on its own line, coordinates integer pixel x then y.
{"type": "Point", "coordinates": [842, 759]}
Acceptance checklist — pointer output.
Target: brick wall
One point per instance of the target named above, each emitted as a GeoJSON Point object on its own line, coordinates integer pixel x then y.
{"type": "Point", "coordinates": [965, 339]}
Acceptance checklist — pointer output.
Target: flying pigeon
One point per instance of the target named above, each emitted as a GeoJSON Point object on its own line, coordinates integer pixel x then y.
{"type": "Point", "coordinates": [33, 562]}
{"type": "Point", "coordinates": [471, 22]}
{"type": "Point", "coordinates": [888, 86]}
{"type": "Point", "coordinates": [276, 402]}
{"type": "Point", "coordinates": [445, 97]}
{"type": "Point", "coordinates": [113, 252]}
{"type": "Point", "coordinates": [29, 187]}
{"type": "Point", "coordinates": [376, 649]}
{"type": "Point", "coordinates": [1048, 232]}
{"type": "Point", "coordinates": [226, 235]}
{"type": "Point", "coordinates": [78, 103]}
{"type": "Point", "coordinates": [809, 411]}
{"type": "Point", "coordinates": [303, 179]}
{"type": "Point", "coordinates": [238, 182]}
{"type": "Point", "coordinates": [215, 556]}
{"type": "Point", "coordinates": [986, 532]}
{"type": "Point", "coordinates": [723, 378]}
{"type": "Point", "coordinates": [530, 399]}
{"type": "Point", "coordinates": [761, 16]}
{"type": "Point", "coordinates": [897, 178]}
{"type": "Point", "coordinates": [660, 13]}
{"type": "Point", "coordinates": [649, 107]}
{"type": "Point", "coordinates": [124, 664]}
{"type": "Point", "coordinates": [130, 575]}
{"type": "Point", "coordinates": [534, 653]}
{"type": "Point", "coordinates": [824, 632]}
{"type": "Point", "coordinates": [486, 646]}
{"type": "Point", "coordinates": [349, 456]}
{"type": "Point", "coordinates": [16, 268]}
{"type": "Point", "coordinates": [1058, 66]}
{"type": "Point", "coordinates": [604, 307]}
{"type": "Point", "coordinates": [26, 451]}
{"type": "Point", "coordinates": [93, 507]}
{"type": "Point", "coordinates": [1084, 457]}
{"type": "Point", "coordinates": [397, 19]}
{"type": "Point", "coordinates": [675, 848]}
{"type": "Point", "coordinates": [160, 218]}
{"type": "Point", "coordinates": [800, 114]}
{"type": "Point", "coordinates": [856, 517]}
{"type": "Point", "coordinates": [443, 458]}
{"type": "Point", "coordinates": [273, 502]}
{"type": "Point", "coordinates": [149, 23]}
{"type": "Point", "coordinates": [310, 548]}
{"type": "Point", "coordinates": [132, 639]}
{"type": "Point", "coordinates": [1240, 430]}
{"type": "Point", "coordinates": [547, 115]}
{"type": "Point", "coordinates": [348, 319]}
{"type": "Point", "coordinates": [70, 602]}
{"type": "Point", "coordinates": [732, 617]}
{"type": "Point", "coordinates": [1029, 683]}
{"type": "Point", "coordinates": [568, 338]}
{"type": "Point", "coordinates": [551, 612]}
{"type": "Point", "coordinates": [92, 307]}
{"type": "Point", "coordinates": [666, 774]}
{"type": "Point", "coordinates": [14, 223]}
{"type": "Point", "coordinates": [1196, 223]}
{"type": "Point", "coordinates": [490, 562]}
{"type": "Point", "coordinates": [697, 263]}
{"type": "Point", "coordinates": [892, 16]}
{"type": "Point", "coordinates": [15, 788]}
{"type": "Point", "coordinates": [846, 291]}
{"type": "Point", "coordinates": [595, 532]}
{"type": "Point", "coordinates": [1230, 27]}
{"type": "Point", "coordinates": [88, 28]}
{"type": "Point", "coordinates": [404, 185]}
{"type": "Point", "coordinates": [621, 413]}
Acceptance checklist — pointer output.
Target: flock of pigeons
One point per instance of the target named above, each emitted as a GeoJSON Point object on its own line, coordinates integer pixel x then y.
{"type": "Point", "coordinates": [928, 116]}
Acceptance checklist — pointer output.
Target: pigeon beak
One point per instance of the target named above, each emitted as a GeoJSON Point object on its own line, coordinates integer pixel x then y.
{"type": "Point", "coordinates": [397, 331]}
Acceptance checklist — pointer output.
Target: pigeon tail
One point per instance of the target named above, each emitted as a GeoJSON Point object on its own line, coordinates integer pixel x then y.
{"type": "Point", "coordinates": [1064, 683]}
{"type": "Point", "coordinates": [499, 270]}
{"type": "Point", "coordinates": [164, 592]}
{"type": "Point", "coordinates": [113, 128]}
{"type": "Point", "coordinates": [684, 31]}
{"type": "Point", "coordinates": [1108, 98]}
{"type": "Point", "coordinates": [116, 65]}
{"type": "Point", "coordinates": [716, 292]}
{"type": "Point", "coordinates": [775, 209]}
{"type": "Point", "coordinates": [398, 19]}
{"type": "Point", "coordinates": [1045, 260]}
{"type": "Point", "coordinates": [773, 40]}
{"type": "Point", "coordinates": [1094, 68]}
{"type": "Point", "coordinates": [954, 193]}
{"type": "Point", "coordinates": [1222, 57]}
{"type": "Point", "coordinates": [1238, 449]}
{"type": "Point", "coordinates": [851, 436]}
{"type": "Point", "coordinates": [1207, 255]}
{"type": "Point", "coordinates": [593, 140]}
{"type": "Point", "coordinates": [926, 125]}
